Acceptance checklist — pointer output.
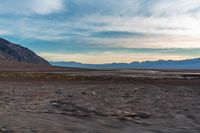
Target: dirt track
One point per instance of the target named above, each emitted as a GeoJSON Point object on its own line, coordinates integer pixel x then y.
{"type": "Point", "coordinates": [100, 102]}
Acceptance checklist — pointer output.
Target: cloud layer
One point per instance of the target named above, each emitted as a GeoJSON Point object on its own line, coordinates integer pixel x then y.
{"type": "Point", "coordinates": [93, 25]}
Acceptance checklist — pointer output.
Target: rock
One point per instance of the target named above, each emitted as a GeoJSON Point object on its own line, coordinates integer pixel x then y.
{"type": "Point", "coordinates": [130, 114]}
{"type": "Point", "coordinates": [58, 92]}
{"type": "Point", "coordinates": [93, 93]}
{"type": "Point", "coordinates": [143, 115]}
{"type": "Point", "coordinates": [54, 103]}
{"type": "Point", "coordinates": [84, 93]}
{"type": "Point", "coordinates": [123, 115]}
{"type": "Point", "coordinates": [141, 122]}
{"type": "Point", "coordinates": [121, 118]}
{"type": "Point", "coordinates": [128, 118]}
{"type": "Point", "coordinates": [70, 95]}
{"type": "Point", "coordinates": [126, 95]}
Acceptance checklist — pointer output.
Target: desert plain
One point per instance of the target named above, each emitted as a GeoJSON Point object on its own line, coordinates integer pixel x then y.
{"type": "Point", "coordinates": [99, 101]}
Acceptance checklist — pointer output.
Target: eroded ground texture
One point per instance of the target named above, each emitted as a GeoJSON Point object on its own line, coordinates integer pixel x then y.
{"type": "Point", "coordinates": [100, 102]}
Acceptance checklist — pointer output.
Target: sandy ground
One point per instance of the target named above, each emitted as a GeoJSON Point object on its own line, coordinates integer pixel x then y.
{"type": "Point", "coordinates": [120, 101]}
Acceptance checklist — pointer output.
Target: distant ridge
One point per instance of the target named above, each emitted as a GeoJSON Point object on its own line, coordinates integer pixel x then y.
{"type": "Point", "coordinates": [13, 53]}
{"type": "Point", "coordinates": [160, 64]}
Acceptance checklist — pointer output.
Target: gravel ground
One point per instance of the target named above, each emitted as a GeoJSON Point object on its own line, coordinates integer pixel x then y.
{"type": "Point", "coordinates": [101, 102]}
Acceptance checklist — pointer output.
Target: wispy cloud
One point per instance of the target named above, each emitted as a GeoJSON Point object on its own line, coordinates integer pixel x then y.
{"type": "Point", "coordinates": [4, 32]}
{"type": "Point", "coordinates": [25, 7]}
{"type": "Point", "coordinates": [115, 34]}
{"type": "Point", "coordinates": [175, 7]}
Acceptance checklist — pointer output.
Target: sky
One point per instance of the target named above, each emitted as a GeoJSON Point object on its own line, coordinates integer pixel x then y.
{"type": "Point", "coordinates": [104, 31]}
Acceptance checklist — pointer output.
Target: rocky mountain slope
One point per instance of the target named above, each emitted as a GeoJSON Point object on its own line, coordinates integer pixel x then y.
{"type": "Point", "coordinates": [13, 53]}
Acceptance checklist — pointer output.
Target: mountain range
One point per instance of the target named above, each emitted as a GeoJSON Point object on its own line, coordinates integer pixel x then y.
{"type": "Point", "coordinates": [160, 64]}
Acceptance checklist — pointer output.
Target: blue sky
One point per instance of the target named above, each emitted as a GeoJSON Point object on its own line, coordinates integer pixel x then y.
{"type": "Point", "coordinates": [104, 31]}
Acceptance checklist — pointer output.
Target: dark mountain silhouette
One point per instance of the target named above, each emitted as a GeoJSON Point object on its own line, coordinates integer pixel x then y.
{"type": "Point", "coordinates": [13, 53]}
{"type": "Point", "coordinates": [160, 64]}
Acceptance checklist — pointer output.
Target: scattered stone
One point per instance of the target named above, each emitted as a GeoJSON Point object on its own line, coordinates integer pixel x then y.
{"type": "Point", "coordinates": [141, 122]}
{"type": "Point", "coordinates": [121, 118]}
{"type": "Point", "coordinates": [130, 116]}
{"type": "Point", "coordinates": [73, 109]}
{"type": "Point", "coordinates": [5, 130]}
{"type": "Point", "coordinates": [93, 93]}
{"type": "Point", "coordinates": [70, 95]}
{"type": "Point", "coordinates": [58, 92]}
{"type": "Point", "coordinates": [54, 103]}
{"type": "Point", "coordinates": [137, 118]}
{"type": "Point", "coordinates": [130, 101]}
{"type": "Point", "coordinates": [126, 95]}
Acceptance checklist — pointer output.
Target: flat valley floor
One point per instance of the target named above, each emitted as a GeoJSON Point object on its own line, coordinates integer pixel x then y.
{"type": "Point", "coordinates": [100, 101]}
